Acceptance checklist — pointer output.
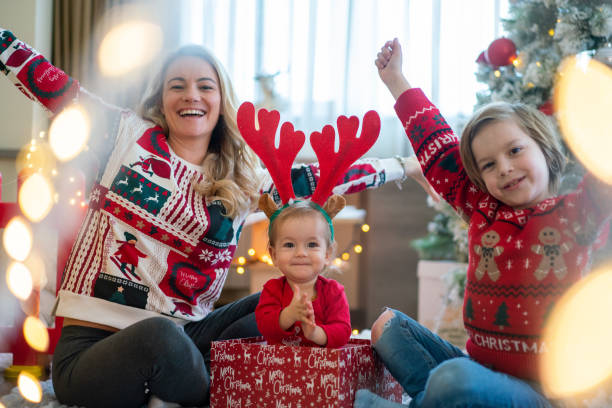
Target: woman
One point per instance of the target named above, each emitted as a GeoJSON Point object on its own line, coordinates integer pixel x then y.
{"type": "Point", "coordinates": [165, 212]}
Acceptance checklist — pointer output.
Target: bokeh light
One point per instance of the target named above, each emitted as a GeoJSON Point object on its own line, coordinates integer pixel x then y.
{"type": "Point", "coordinates": [29, 387]}
{"type": "Point", "coordinates": [36, 334]}
{"type": "Point", "coordinates": [251, 252]}
{"type": "Point", "coordinates": [358, 249]}
{"type": "Point", "coordinates": [19, 280]}
{"type": "Point", "coordinates": [36, 197]}
{"type": "Point", "coordinates": [69, 133]}
{"type": "Point", "coordinates": [345, 256]}
{"type": "Point", "coordinates": [17, 238]}
{"type": "Point", "coordinates": [36, 266]}
{"type": "Point", "coordinates": [365, 227]}
{"type": "Point", "coordinates": [37, 156]}
{"type": "Point", "coordinates": [578, 337]}
{"type": "Point", "coordinates": [240, 270]}
{"type": "Point", "coordinates": [583, 99]}
{"type": "Point", "coordinates": [129, 46]}
{"type": "Point", "coordinates": [241, 260]}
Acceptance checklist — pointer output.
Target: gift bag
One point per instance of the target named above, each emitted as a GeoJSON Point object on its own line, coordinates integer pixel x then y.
{"type": "Point", "coordinates": [251, 373]}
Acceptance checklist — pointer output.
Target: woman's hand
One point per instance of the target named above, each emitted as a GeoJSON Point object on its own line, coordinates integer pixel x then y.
{"type": "Point", "coordinates": [412, 168]}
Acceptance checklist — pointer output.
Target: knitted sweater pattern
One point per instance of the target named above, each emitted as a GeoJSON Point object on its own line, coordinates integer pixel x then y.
{"type": "Point", "coordinates": [520, 261]}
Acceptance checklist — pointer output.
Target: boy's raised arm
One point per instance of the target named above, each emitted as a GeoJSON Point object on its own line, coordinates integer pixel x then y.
{"type": "Point", "coordinates": [389, 64]}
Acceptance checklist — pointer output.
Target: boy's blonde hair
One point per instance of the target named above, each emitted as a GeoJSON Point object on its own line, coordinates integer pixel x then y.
{"type": "Point", "coordinates": [533, 122]}
{"type": "Point", "coordinates": [298, 209]}
{"type": "Point", "coordinates": [230, 166]}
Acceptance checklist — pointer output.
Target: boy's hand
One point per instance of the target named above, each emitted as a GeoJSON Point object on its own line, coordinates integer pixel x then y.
{"type": "Point", "coordinates": [389, 64]}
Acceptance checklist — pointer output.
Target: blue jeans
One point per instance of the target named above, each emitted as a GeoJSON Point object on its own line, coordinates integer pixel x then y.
{"type": "Point", "coordinates": [98, 368]}
{"type": "Point", "coordinates": [435, 373]}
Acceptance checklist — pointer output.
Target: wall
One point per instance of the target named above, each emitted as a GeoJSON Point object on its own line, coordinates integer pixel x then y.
{"type": "Point", "coordinates": [31, 21]}
{"type": "Point", "coordinates": [396, 217]}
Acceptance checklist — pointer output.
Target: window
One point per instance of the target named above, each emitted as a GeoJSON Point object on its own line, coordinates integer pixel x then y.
{"type": "Point", "coordinates": [324, 51]}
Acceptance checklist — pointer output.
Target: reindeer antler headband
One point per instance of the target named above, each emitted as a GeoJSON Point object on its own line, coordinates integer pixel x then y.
{"type": "Point", "coordinates": [332, 165]}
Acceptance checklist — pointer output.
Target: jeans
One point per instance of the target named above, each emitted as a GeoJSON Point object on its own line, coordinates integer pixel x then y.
{"type": "Point", "coordinates": [98, 368]}
{"type": "Point", "coordinates": [435, 373]}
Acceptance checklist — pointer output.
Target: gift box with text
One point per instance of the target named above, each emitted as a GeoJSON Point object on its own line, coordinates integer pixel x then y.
{"type": "Point", "coordinates": [250, 373]}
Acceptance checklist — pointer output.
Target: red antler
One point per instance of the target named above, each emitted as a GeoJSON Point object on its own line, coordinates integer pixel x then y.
{"type": "Point", "coordinates": [277, 161]}
{"type": "Point", "coordinates": [333, 165]}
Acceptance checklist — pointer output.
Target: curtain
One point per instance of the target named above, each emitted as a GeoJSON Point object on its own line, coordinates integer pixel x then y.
{"type": "Point", "coordinates": [320, 54]}
{"type": "Point", "coordinates": [79, 26]}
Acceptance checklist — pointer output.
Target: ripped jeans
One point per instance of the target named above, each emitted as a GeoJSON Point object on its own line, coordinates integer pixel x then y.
{"type": "Point", "coordinates": [435, 373]}
{"type": "Point", "coordinates": [98, 368]}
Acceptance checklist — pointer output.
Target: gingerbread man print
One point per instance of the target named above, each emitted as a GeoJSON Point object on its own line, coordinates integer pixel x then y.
{"type": "Point", "coordinates": [488, 252]}
{"type": "Point", "coordinates": [552, 251]}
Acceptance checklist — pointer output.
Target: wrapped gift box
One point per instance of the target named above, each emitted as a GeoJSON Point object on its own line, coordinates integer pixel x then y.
{"type": "Point", "coordinates": [250, 373]}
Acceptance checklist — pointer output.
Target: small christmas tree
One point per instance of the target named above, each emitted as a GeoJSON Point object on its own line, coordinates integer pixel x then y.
{"type": "Point", "coordinates": [501, 316]}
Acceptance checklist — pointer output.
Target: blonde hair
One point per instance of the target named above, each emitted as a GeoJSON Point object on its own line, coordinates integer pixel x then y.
{"type": "Point", "coordinates": [533, 122]}
{"type": "Point", "coordinates": [230, 166]}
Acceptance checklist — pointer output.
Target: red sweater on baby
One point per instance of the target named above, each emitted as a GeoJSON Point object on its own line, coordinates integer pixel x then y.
{"type": "Point", "coordinates": [520, 261]}
{"type": "Point", "coordinates": [330, 307]}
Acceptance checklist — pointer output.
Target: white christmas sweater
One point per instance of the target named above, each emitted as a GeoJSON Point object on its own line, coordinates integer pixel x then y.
{"type": "Point", "coordinates": [150, 245]}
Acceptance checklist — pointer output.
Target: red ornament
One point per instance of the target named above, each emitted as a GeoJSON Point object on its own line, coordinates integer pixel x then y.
{"type": "Point", "coordinates": [501, 52]}
{"type": "Point", "coordinates": [547, 107]}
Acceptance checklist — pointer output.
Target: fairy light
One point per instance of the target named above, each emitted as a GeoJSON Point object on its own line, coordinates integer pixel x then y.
{"type": "Point", "coordinates": [36, 334]}
{"type": "Point", "coordinates": [358, 249]}
{"type": "Point", "coordinates": [497, 73]}
{"type": "Point", "coordinates": [17, 238]}
{"type": "Point", "coordinates": [530, 85]}
{"type": "Point", "coordinates": [551, 32]}
{"type": "Point", "coordinates": [19, 280]}
{"type": "Point", "coordinates": [345, 256]}
{"type": "Point", "coordinates": [338, 262]}
{"type": "Point", "coordinates": [54, 172]}
{"type": "Point", "coordinates": [29, 387]}
{"type": "Point", "coordinates": [72, 201]}
{"type": "Point", "coordinates": [355, 332]}
{"type": "Point", "coordinates": [265, 258]}
{"type": "Point", "coordinates": [538, 64]}
{"type": "Point", "coordinates": [240, 270]}
{"type": "Point", "coordinates": [241, 260]}
{"type": "Point", "coordinates": [251, 252]}
{"type": "Point", "coordinates": [365, 227]}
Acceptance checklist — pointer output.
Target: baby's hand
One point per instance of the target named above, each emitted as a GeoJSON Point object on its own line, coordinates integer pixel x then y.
{"type": "Point", "coordinates": [296, 311]}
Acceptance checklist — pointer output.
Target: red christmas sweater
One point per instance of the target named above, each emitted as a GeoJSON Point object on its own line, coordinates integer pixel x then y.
{"type": "Point", "coordinates": [150, 244]}
{"type": "Point", "coordinates": [330, 307]}
{"type": "Point", "coordinates": [520, 261]}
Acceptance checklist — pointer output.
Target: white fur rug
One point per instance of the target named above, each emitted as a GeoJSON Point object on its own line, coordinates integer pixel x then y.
{"type": "Point", "coordinates": [15, 400]}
